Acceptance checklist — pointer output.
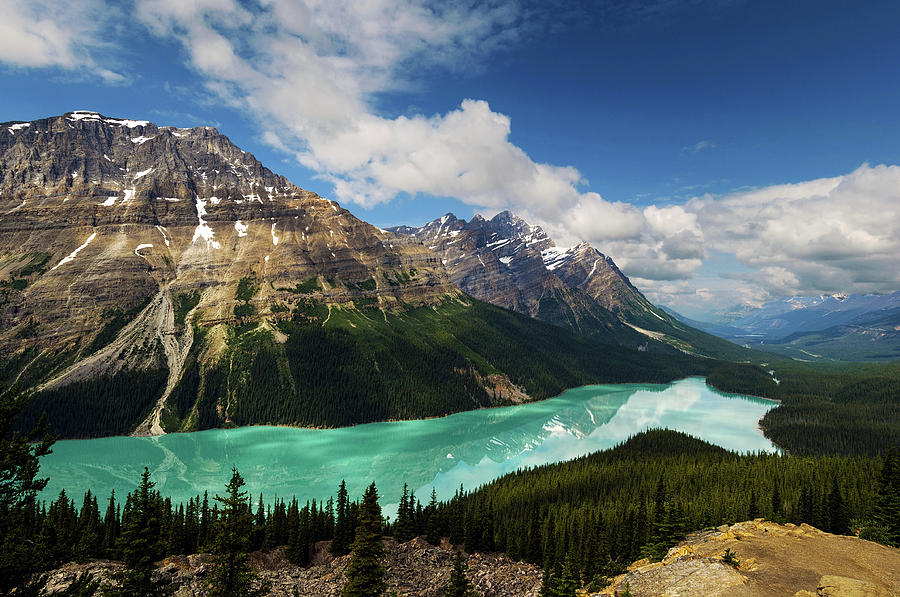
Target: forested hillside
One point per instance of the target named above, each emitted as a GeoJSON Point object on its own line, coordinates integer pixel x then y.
{"type": "Point", "coordinates": [333, 366]}
{"type": "Point", "coordinates": [851, 409]}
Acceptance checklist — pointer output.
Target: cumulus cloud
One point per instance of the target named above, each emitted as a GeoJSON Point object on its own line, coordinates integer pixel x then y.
{"type": "Point", "coordinates": [825, 235]}
{"type": "Point", "coordinates": [41, 34]}
{"type": "Point", "coordinates": [310, 71]}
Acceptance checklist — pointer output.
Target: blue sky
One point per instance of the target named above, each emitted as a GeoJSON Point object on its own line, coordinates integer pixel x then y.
{"type": "Point", "coordinates": [720, 152]}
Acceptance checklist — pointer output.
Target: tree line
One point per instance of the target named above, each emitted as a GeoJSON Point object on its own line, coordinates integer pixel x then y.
{"type": "Point", "coordinates": [850, 409]}
{"type": "Point", "coordinates": [583, 521]}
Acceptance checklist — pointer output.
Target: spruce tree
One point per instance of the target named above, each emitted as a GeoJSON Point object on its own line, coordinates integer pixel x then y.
{"type": "Point", "coordinates": [343, 526]}
{"type": "Point", "coordinates": [404, 526]}
{"type": "Point", "coordinates": [230, 574]}
{"type": "Point", "coordinates": [565, 584]}
{"type": "Point", "coordinates": [365, 573]}
{"type": "Point", "coordinates": [838, 516]}
{"type": "Point", "coordinates": [887, 501]}
{"type": "Point", "coordinates": [19, 463]}
{"type": "Point", "coordinates": [459, 583]}
{"type": "Point", "coordinates": [259, 525]}
{"type": "Point", "coordinates": [753, 508]}
{"type": "Point", "coordinates": [777, 505]}
{"type": "Point", "coordinates": [111, 525]}
{"type": "Point", "coordinates": [204, 533]}
{"type": "Point", "coordinates": [139, 544]}
{"type": "Point", "coordinates": [88, 531]}
{"type": "Point", "coordinates": [432, 522]}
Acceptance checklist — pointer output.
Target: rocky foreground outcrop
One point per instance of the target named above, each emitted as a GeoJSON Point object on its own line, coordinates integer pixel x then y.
{"type": "Point", "coordinates": [772, 560]}
{"type": "Point", "coordinates": [412, 568]}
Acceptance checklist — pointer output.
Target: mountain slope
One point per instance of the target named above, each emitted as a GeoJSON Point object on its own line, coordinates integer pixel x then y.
{"type": "Point", "coordinates": [823, 328]}
{"type": "Point", "coordinates": [154, 278]}
{"type": "Point", "coordinates": [512, 264]}
{"type": "Point", "coordinates": [873, 336]}
{"type": "Point", "coordinates": [778, 319]}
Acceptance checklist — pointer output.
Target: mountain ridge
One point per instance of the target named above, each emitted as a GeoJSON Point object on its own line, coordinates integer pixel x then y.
{"type": "Point", "coordinates": [844, 327]}
{"type": "Point", "coordinates": [512, 264]}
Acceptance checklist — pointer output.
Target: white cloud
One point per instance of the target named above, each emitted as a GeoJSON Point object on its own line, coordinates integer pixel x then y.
{"type": "Point", "coordinates": [309, 72]}
{"type": "Point", "coordinates": [839, 234]}
{"type": "Point", "coordinates": [825, 235]}
{"type": "Point", "coordinates": [38, 34]}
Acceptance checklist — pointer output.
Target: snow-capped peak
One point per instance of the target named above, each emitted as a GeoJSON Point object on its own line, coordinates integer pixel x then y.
{"type": "Point", "coordinates": [90, 116]}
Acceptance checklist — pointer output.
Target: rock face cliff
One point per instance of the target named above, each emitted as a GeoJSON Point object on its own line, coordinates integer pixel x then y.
{"type": "Point", "coordinates": [113, 230]}
{"type": "Point", "coordinates": [115, 211]}
{"type": "Point", "coordinates": [512, 264]}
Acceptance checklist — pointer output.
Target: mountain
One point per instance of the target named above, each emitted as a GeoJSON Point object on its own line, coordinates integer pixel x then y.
{"type": "Point", "coordinates": [716, 329]}
{"type": "Point", "coordinates": [873, 336]}
{"type": "Point", "coordinates": [781, 318]}
{"type": "Point", "coordinates": [510, 263]}
{"type": "Point", "coordinates": [159, 279]}
{"type": "Point", "coordinates": [853, 327]}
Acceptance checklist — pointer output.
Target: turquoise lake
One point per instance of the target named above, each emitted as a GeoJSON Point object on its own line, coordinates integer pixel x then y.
{"type": "Point", "coordinates": [469, 448]}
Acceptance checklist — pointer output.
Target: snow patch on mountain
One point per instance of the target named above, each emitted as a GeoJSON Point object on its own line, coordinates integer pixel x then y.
{"type": "Point", "coordinates": [71, 256]}
{"type": "Point", "coordinates": [203, 230]}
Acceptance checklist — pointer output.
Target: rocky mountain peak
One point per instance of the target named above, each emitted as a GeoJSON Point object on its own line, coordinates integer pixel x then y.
{"type": "Point", "coordinates": [87, 153]}
{"type": "Point", "coordinates": [513, 264]}
{"type": "Point", "coordinates": [103, 215]}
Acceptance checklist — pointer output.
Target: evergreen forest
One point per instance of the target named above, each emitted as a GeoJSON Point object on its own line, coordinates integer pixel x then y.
{"type": "Point", "coordinates": [582, 520]}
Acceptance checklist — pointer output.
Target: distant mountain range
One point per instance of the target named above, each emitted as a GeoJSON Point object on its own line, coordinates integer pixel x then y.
{"type": "Point", "coordinates": [853, 327]}
{"type": "Point", "coordinates": [160, 279]}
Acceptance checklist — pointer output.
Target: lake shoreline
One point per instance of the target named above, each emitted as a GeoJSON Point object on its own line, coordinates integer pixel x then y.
{"type": "Point", "coordinates": [470, 447]}
{"type": "Point", "coordinates": [429, 418]}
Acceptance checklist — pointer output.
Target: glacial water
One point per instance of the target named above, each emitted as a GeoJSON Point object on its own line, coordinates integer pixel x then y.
{"type": "Point", "coordinates": [469, 448]}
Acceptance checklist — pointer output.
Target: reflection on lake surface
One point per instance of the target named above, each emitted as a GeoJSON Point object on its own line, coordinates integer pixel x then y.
{"type": "Point", "coordinates": [471, 448]}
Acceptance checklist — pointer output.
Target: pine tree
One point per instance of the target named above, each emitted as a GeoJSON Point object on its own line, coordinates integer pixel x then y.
{"type": "Point", "coordinates": [343, 526]}
{"type": "Point", "coordinates": [838, 516]}
{"type": "Point", "coordinates": [565, 584]}
{"type": "Point", "coordinates": [139, 544]}
{"type": "Point", "coordinates": [230, 574]}
{"type": "Point", "coordinates": [88, 531]}
{"type": "Point", "coordinates": [403, 527]}
{"type": "Point", "coordinates": [432, 522]}
{"type": "Point", "coordinates": [299, 534]}
{"type": "Point", "coordinates": [259, 526]}
{"type": "Point", "coordinates": [887, 501]}
{"type": "Point", "coordinates": [777, 505]}
{"type": "Point", "coordinates": [111, 524]}
{"type": "Point", "coordinates": [365, 573]}
{"type": "Point", "coordinates": [203, 533]}
{"type": "Point", "coordinates": [19, 463]}
{"type": "Point", "coordinates": [753, 509]}
{"type": "Point", "coordinates": [459, 583]}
